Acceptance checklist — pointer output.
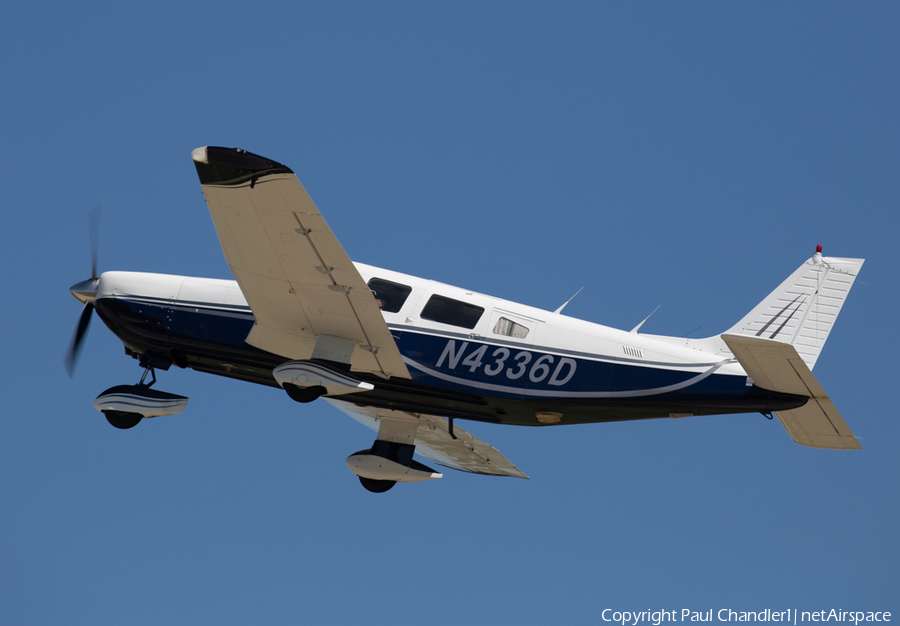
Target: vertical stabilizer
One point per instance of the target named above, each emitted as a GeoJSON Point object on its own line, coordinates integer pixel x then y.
{"type": "Point", "coordinates": [803, 309]}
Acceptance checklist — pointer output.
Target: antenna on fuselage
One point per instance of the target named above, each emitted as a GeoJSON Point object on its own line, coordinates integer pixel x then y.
{"type": "Point", "coordinates": [559, 310]}
{"type": "Point", "coordinates": [636, 328]}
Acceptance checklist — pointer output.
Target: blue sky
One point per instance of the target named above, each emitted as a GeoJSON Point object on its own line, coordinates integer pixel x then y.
{"type": "Point", "coordinates": [685, 155]}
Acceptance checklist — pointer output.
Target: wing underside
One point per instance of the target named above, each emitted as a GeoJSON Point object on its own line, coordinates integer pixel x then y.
{"type": "Point", "coordinates": [462, 451]}
{"type": "Point", "coordinates": [299, 282]}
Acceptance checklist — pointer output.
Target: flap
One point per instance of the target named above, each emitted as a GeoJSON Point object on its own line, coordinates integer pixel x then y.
{"type": "Point", "coordinates": [296, 277]}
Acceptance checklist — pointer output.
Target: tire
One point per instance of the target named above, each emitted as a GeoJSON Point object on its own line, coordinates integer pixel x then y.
{"type": "Point", "coordinates": [376, 486]}
{"type": "Point", "coordinates": [304, 394]}
{"type": "Point", "coordinates": [123, 419]}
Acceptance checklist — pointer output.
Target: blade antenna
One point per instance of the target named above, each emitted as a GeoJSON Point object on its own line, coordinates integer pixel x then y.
{"type": "Point", "coordinates": [559, 310]}
{"type": "Point", "coordinates": [638, 327]}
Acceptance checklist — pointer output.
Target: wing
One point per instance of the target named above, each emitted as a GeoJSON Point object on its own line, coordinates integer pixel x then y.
{"type": "Point", "coordinates": [433, 440]}
{"type": "Point", "coordinates": [298, 280]}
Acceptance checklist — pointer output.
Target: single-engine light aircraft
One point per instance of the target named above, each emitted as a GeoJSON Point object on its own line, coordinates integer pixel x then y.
{"type": "Point", "coordinates": [410, 357]}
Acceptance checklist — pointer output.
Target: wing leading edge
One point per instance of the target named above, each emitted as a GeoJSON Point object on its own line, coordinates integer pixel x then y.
{"type": "Point", "coordinates": [301, 285]}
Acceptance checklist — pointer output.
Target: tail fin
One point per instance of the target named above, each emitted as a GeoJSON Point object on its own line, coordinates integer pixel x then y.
{"type": "Point", "coordinates": [803, 309]}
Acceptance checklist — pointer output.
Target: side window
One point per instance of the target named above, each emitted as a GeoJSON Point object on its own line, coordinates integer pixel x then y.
{"type": "Point", "coordinates": [449, 311]}
{"type": "Point", "coordinates": [509, 328]}
{"type": "Point", "coordinates": [389, 296]}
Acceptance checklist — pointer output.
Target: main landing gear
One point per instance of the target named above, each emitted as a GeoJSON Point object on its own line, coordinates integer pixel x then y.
{"type": "Point", "coordinates": [387, 463]}
{"type": "Point", "coordinates": [126, 405]}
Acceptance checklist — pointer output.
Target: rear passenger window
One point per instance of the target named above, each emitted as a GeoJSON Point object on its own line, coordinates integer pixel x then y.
{"type": "Point", "coordinates": [389, 296]}
{"type": "Point", "coordinates": [509, 328]}
{"type": "Point", "coordinates": [449, 311]}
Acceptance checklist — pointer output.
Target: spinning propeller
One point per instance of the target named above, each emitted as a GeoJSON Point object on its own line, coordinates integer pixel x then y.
{"type": "Point", "coordinates": [85, 291]}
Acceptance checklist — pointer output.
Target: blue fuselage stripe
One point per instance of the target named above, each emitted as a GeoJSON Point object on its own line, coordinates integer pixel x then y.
{"type": "Point", "coordinates": [501, 369]}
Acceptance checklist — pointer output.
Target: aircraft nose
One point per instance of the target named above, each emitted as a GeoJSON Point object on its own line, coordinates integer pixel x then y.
{"type": "Point", "coordinates": [86, 290]}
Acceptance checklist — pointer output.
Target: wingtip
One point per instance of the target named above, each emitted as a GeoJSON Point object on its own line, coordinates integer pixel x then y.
{"type": "Point", "coordinates": [199, 155]}
{"type": "Point", "coordinates": [233, 166]}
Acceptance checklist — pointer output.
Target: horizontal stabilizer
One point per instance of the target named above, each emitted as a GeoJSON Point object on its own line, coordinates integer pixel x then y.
{"type": "Point", "coordinates": [778, 367]}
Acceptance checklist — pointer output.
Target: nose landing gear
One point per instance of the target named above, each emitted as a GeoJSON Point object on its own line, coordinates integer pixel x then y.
{"type": "Point", "coordinates": [126, 405]}
{"type": "Point", "coordinates": [123, 419]}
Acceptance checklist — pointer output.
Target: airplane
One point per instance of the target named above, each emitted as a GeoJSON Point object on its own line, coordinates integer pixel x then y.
{"type": "Point", "coordinates": [409, 357]}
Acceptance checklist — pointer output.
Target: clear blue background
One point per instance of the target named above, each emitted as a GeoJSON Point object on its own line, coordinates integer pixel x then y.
{"type": "Point", "coordinates": [684, 154]}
